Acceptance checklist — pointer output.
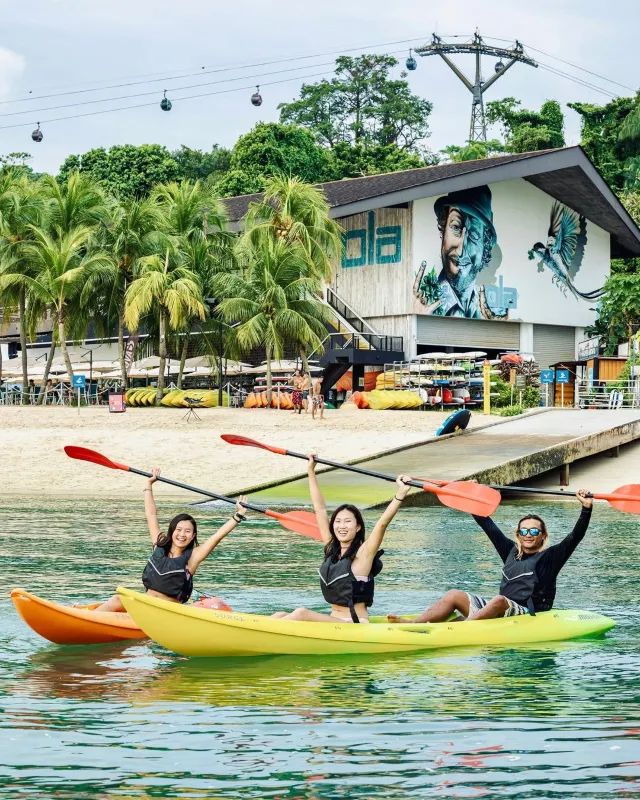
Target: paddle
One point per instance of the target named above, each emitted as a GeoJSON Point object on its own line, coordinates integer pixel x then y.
{"type": "Point", "coordinates": [302, 522]}
{"type": "Point", "coordinates": [467, 496]}
{"type": "Point", "coordinates": [624, 498]}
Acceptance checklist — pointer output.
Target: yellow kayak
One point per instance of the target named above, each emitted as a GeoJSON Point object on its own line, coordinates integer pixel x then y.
{"type": "Point", "coordinates": [208, 633]}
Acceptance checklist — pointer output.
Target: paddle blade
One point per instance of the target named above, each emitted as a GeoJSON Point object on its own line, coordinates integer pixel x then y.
{"type": "Point", "coordinates": [629, 502]}
{"type": "Point", "coordinates": [303, 522]}
{"type": "Point", "coordinates": [84, 454]}
{"type": "Point", "coordinates": [467, 496]}
{"type": "Point", "coordinates": [231, 438]}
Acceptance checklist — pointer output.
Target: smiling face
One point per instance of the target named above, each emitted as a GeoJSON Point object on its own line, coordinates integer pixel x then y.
{"type": "Point", "coordinates": [345, 528]}
{"type": "Point", "coordinates": [182, 536]}
{"type": "Point", "coordinates": [462, 248]}
{"type": "Point", "coordinates": [531, 544]}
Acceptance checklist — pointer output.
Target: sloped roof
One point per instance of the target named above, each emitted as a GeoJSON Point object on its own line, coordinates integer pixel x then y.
{"type": "Point", "coordinates": [565, 174]}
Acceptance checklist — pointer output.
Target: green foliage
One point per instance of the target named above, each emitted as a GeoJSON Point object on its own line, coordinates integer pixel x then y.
{"type": "Point", "coordinates": [473, 151]}
{"type": "Point", "coordinates": [601, 126]}
{"type": "Point", "coordinates": [526, 130]}
{"type": "Point", "coordinates": [353, 161]}
{"type": "Point", "coordinates": [362, 105]}
{"type": "Point", "coordinates": [125, 170]}
{"type": "Point", "coordinates": [530, 396]}
{"type": "Point", "coordinates": [618, 310]}
{"type": "Point", "coordinates": [194, 165]}
{"type": "Point", "coordinates": [512, 411]}
{"type": "Point", "coordinates": [274, 149]}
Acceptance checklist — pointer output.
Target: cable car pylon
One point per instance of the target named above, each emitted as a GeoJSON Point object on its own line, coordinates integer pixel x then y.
{"type": "Point", "coordinates": [477, 47]}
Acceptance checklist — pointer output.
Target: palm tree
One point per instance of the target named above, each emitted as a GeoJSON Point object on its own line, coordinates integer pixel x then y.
{"type": "Point", "coordinates": [273, 302]}
{"type": "Point", "coordinates": [21, 208]}
{"type": "Point", "coordinates": [78, 201]}
{"type": "Point", "coordinates": [165, 288]}
{"type": "Point", "coordinates": [63, 266]}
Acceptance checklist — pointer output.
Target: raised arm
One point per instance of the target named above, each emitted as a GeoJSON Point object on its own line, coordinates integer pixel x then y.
{"type": "Point", "coordinates": [150, 510]}
{"type": "Point", "coordinates": [502, 543]}
{"type": "Point", "coordinates": [203, 550]}
{"type": "Point", "coordinates": [317, 499]}
{"type": "Point", "coordinates": [372, 544]}
{"type": "Point", "coordinates": [558, 554]}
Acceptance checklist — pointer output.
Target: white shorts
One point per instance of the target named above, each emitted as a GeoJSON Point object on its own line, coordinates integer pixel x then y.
{"type": "Point", "coordinates": [476, 603]}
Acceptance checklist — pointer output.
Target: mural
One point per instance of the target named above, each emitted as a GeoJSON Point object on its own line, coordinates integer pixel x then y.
{"type": "Point", "coordinates": [372, 245]}
{"type": "Point", "coordinates": [467, 240]}
{"type": "Point", "coordinates": [563, 253]}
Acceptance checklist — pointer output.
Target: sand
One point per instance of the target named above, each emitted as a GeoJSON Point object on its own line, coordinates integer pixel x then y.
{"type": "Point", "coordinates": [33, 463]}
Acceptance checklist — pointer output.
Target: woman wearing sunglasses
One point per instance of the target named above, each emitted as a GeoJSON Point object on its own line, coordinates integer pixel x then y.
{"type": "Point", "coordinates": [529, 574]}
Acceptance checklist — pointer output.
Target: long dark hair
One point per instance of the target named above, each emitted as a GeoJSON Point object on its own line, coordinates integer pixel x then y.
{"type": "Point", "coordinates": [543, 531]}
{"type": "Point", "coordinates": [334, 548]}
{"type": "Point", "coordinates": [164, 540]}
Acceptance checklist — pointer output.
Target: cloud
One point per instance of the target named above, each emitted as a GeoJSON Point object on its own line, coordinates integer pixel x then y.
{"type": "Point", "coordinates": [12, 65]}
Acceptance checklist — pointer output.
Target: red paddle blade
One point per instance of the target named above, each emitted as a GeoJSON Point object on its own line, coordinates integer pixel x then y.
{"type": "Point", "coordinates": [231, 438]}
{"type": "Point", "coordinates": [467, 496]}
{"type": "Point", "coordinates": [629, 500]}
{"type": "Point", "coordinates": [84, 454]}
{"type": "Point", "coordinates": [303, 522]}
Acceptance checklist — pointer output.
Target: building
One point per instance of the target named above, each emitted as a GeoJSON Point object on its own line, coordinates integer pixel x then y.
{"type": "Point", "coordinates": [506, 253]}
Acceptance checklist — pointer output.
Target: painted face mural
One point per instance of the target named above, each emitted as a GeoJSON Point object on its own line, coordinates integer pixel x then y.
{"type": "Point", "coordinates": [465, 223]}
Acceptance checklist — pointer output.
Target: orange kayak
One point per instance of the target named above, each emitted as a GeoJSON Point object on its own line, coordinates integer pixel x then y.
{"type": "Point", "coordinates": [70, 625]}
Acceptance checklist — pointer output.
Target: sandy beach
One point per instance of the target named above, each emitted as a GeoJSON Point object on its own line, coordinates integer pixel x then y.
{"type": "Point", "coordinates": [33, 462]}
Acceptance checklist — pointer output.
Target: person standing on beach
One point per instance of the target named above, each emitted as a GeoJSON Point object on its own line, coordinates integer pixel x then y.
{"type": "Point", "coordinates": [297, 392]}
{"type": "Point", "coordinates": [305, 386]}
{"type": "Point", "coordinates": [317, 398]}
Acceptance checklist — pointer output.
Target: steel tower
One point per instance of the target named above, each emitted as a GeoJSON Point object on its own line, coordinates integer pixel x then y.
{"type": "Point", "coordinates": [477, 46]}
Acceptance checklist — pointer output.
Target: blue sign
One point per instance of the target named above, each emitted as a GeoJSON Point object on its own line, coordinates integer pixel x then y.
{"type": "Point", "coordinates": [79, 381]}
{"type": "Point", "coordinates": [546, 376]}
{"type": "Point", "coordinates": [372, 245]}
{"type": "Point", "coordinates": [562, 376]}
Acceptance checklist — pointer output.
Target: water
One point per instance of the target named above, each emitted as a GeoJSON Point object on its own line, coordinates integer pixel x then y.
{"type": "Point", "coordinates": [133, 720]}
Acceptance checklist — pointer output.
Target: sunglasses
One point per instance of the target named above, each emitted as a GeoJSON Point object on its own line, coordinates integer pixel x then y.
{"type": "Point", "coordinates": [529, 531]}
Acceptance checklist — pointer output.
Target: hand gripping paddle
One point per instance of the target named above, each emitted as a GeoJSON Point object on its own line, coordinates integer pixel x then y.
{"type": "Point", "coordinates": [467, 496]}
{"type": "Point", "coordinates": [302, 522]}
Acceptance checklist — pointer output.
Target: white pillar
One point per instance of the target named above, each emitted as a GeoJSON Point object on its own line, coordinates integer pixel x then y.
{"type": "Point", "coordinates": [579, 337]}
{"type": "Point", "coordinates": [526, 339]}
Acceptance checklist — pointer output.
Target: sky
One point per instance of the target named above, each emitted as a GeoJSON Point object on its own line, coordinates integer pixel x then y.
{"type": "Point", "coordinates": [53, 46]}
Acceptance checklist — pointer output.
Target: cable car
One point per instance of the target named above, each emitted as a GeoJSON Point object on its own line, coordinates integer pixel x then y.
{"type": "Point", "coordinates": [499, 65]}
{"type": "Point", "coordinates": [411, 63]}
{"type": "Point", "coordinates": [165, 103]}
{"type": "Point", "coordinates": [37, 135]}
{"type": "Point", "coordinates": [256, 97]}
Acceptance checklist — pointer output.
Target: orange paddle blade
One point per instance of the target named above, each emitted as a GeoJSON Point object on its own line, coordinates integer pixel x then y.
{"type": "Point", "coordinates": [467, 496]}
{"type": "Point", "coordinates": [625, 498]}
{"type": "Point", "coordinates": [84, 454]}
{"type": "Point", "coordinates": [231, 438]}
{"type": "Point", "coordinates": [303, 522]}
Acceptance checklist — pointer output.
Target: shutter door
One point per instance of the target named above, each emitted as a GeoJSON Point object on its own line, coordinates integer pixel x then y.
{"type": "Point", "coordinates": [470, 333]}
{"type": "Point", "coordinates": [553, 343]}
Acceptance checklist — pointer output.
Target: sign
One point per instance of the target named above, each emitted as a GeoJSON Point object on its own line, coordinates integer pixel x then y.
{"type": "Point", "coordinates": [512, 376]}
{"type": "Point", "coordinates": [372, 245]}
{"type": "Point", "coordinates": [562, 376]}
{"type": "Point", "coordinates": [117, 403]}
{"type": "Point", "coordinates": [79, 381]}
{"type": "Point", "coordinates": [588, 349]}
{"type": "Point", "coordinates": [546, 376]}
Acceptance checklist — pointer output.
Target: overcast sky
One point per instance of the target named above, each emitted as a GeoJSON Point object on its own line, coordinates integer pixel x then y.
{"type": "Point", "coordinates": [51, 46]}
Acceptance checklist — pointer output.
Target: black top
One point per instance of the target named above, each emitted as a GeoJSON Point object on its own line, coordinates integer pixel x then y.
{"type": "Point", "coordinates": [169, 576]}
{"type": "Point", "coordinates": [550, 562]}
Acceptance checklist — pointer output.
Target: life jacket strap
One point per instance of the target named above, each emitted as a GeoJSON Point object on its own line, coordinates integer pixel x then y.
{"type": "Point", "coordinates": [352, 611]}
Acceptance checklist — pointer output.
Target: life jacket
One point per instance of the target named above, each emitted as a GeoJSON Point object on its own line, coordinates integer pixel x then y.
{"type": "Point", "coordinates": [519, 579]}
{"type": "Point", "coordinates": [340, 587]}
{"type": "Point", "coordinates": [169, 576]}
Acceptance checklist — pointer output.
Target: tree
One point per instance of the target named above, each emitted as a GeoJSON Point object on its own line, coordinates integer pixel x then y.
{"type": "Point", "coordinates": [169, 291]}
{"type": "Point", "coordinates": [354, 161]}
{"type": "Point", "coordinates": [619, 308]}
{"type": "Point", "coordinates": [125, 170]}
{"type": "Point", "coordinates": [274, 149]}
{"type": "Point", "coordinates": [473, 151]}
{"type": "Point", "coordinates": [362, 105]}
{"type": "Point", "coordinates": [194, 165]}
{"type": "Point", "coordinates": [600, 137]}
{"type": "Point", "coordinates": [273, 302]}
{"type": "Point", "coordinates": [526, 130]}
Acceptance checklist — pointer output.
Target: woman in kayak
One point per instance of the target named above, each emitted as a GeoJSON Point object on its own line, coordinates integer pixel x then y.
{"type": "Point", "coordinates": [351, 562]}
{"type": "Point", "coordinates": [528, 576]}
{"type": "Point", "coordinates": [176, 554]}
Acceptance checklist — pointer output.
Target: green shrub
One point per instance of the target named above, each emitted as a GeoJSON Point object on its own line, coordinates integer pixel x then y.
{"type": "Point", "coordinates": [512, 411]}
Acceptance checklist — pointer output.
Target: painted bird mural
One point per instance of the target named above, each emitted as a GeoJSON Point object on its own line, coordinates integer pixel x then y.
{"type": "Point", "coordinates": [564, 250]}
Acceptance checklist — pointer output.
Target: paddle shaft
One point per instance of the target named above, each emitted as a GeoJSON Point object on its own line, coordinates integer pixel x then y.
{"type": "Point", "coordinates": [556, 492]}
{"type": "Point", "coordinates": [195, 489]}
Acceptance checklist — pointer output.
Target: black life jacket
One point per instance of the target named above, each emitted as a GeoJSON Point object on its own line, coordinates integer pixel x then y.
{"type": "Point", "coordinates": [519, 579]}
{"type": "Point", "coordinates": [169, 576]}
{"type": "Point", "coordinates": [340, 587]}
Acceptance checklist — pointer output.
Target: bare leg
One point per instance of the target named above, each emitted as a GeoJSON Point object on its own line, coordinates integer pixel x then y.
{"type": "Point", "coordinates": [442, 609]}
{"type": "Point", "coordinates": [313, 410]}
{"type": "Point", "coordinates": [279, 614]}
{"type": "Point", "coordinates": [496, 607]}
{"type": "Point", "coordinates": [112, 604]}
{"type": "Point", "coordinates": [304, 615]}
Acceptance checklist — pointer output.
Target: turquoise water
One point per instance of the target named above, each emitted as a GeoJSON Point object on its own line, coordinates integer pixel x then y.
{"type": "Point", "coordinates": [133, 720]}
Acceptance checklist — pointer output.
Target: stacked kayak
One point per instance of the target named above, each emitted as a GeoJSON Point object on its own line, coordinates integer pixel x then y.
{"type": "Point", "coordinates": [70, 625]}
{"type": "Point", "coordinates": [209, 633]}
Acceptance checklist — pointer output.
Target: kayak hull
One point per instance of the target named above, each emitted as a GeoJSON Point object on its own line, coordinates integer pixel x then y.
{"type": "Point", "coordinates": [68, 625]}
{"type": "Point", "coordinates": [209, 633]}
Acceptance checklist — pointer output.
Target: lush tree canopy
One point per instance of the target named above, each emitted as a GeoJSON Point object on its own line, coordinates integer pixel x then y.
{"type": "Point", "coordinates": [526, 130]}
{"type": "Point", "coordinates": [196, 165]}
